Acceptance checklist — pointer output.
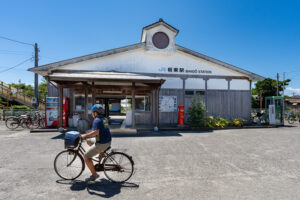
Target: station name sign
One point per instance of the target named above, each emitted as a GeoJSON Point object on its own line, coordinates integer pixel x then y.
{"type": "Point", "coordinates": [183, 70]}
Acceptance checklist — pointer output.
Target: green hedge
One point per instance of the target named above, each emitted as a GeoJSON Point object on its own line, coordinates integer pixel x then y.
{"type": "Point", "coordinates": [20, 107]}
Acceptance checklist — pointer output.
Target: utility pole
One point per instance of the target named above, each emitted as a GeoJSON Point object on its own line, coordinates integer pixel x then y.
{"type": "Point", "coordinates": [36, 77]}
{"type": "Point", "coordinates": [283, 83]}
{"type": "Point", "coordinates": [277, 84]}
{"type": "Point", "coordinates": [260, 100]}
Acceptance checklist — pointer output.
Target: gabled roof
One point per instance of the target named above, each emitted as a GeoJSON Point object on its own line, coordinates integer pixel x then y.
{"type": "Point", "coordinates": [161, 22]}
{"type": "Point", "coordinates": [44, 69]}
{"type": "Point", "coordinates": [226, 65]}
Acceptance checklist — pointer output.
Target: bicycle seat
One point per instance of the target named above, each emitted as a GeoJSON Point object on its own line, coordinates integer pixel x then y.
{"type": "Point", "coordinates": [106, 149]}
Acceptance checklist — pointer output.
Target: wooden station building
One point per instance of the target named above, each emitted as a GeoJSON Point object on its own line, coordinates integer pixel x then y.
{"type": "Point", "coordinates": [156, 74]}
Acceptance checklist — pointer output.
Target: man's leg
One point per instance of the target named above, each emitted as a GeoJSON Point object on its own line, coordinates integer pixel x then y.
{"type": "Point", "coordinates": [88, 158]}
{"type": "Point", "coordinates": [101, 155]}
{"type": "Point", "coordinates": [90, 165]}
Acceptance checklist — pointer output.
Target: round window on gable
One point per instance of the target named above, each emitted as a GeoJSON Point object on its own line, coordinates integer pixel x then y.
{"type": "Point", "coordinates": [160, 40]}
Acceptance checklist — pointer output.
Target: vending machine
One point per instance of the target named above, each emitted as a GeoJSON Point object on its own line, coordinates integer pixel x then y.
{"type": "Point", "coordinates": [52, 111]}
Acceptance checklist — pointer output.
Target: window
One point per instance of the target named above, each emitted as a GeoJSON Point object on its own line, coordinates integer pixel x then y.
{"type": "Point", "coordinates": [142, 103]}
{"type": "Point", "coordinates": [200, 93]}
{"type": "Point", "coordinates": [79, 102]}
{"type": "Point", "coordinates": [189, 92]}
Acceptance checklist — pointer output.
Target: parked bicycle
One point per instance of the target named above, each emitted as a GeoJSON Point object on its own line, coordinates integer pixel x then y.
{"type": "Point", "coordinates": [14, 122]}
{"type": "Point", "coordinates": [35, 120]}
{"type": "Point", "coordinates": [29, 120]}
{"type": "Point", "coordinates": [292, 118]}
{"type": "Point", "coordinates": [69, 164]}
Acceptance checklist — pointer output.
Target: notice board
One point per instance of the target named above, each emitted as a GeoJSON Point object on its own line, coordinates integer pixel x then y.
{"type": "Point", "coordinates": [167, 103]}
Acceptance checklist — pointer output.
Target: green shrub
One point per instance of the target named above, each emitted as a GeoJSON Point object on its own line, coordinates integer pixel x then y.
{"type": "Point", "coordinates": [20, 107]}
{"type": "Point", "coordinates": [239, 122]}
{"type": "Point", "coordinates": [210, 122]}
{"type": "Point", "coordinates": [217, 122]}
{"type": "Point", "coordinates": [197, 112]}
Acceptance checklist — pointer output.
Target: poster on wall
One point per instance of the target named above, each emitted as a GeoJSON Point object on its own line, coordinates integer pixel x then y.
{"type": "Point", "coordinates": [167, 103]}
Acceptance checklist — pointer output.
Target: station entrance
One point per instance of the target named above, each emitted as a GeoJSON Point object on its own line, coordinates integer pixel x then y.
{"type": "Point", "coordinates": [129, 99]}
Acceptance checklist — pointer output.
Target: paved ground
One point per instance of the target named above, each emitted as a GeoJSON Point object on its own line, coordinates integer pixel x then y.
{"type": "Point", "coordinates": [225, 164]}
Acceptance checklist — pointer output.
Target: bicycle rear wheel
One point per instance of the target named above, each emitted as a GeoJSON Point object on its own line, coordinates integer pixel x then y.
{"type": "Point", "coordinates": [12, 123]}
{"type": "Point", "coordinates": [32, 124]}
{"type": "Point", "coordinates": [69, 165]}
{"type": "Point", "coordinates": [290, 120]}
{"type": "Point", "coordinates": [118, 167]}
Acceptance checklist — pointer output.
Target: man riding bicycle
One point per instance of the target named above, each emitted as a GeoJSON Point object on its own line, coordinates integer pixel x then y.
{"type": "Point", "coordinates": [100, 141]}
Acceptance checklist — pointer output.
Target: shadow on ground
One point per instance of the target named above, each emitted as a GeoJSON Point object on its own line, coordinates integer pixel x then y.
{"type": "Point", "coordinates": [161, 133]}
{"type": "Point", "coordinates": [60, 136]}
{"type": "Point", "coordinates": [149, 134]}
{"type": "Point", "coordinates": [103, 187]}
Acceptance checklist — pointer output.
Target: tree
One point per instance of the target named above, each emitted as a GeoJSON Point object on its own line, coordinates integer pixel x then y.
{"type": "Point", "coordinates": [29, 90]}
{"type": "Point", "coordinates": [269, 88]}
{"type": "Point", "coordinates": [43, 90]}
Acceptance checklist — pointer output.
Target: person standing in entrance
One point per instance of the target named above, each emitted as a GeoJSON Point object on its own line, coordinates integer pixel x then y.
{"type": "Point", "coordinates": [100, 141]}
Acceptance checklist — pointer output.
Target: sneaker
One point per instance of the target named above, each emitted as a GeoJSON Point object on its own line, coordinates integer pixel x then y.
{"type": "Point", "coordinates": [91, 178]}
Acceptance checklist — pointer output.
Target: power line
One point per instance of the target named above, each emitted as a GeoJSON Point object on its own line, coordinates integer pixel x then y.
{"type": "Point", "coordinates": [5, 38]}
{"type": "Point", "coordinates": [16, 65]}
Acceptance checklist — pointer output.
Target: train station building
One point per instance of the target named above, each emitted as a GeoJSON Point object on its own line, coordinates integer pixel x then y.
{"type": "Point", "coordinates": [148, 80]}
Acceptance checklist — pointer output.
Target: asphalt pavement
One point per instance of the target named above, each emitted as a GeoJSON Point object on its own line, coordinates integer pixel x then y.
{"type": "Point", "coordinates": [223, 164]}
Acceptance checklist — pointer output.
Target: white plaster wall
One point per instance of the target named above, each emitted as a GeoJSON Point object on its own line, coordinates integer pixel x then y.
{"type": "Point", "coordinates": [236, 84]}
{"type": "Point", "coordinates": [172, 83]}
{"type": "Point", "coordinates": [143, 61]}
{"type": "Point", "coordinates": [195, 83]}
{"type": "Point", "coordinates": [161, 28]}
{"type": "Point", "coordinates": [217, 84]}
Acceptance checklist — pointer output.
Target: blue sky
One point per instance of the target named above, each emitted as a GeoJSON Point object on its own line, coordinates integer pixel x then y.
{"type": "Point", "coordinates": [259, 36]}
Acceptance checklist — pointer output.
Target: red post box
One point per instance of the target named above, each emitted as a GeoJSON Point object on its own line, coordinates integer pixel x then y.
{"type": "Point", "coordinates": [180, 115]}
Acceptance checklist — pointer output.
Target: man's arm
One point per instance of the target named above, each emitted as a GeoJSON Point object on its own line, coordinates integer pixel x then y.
{"type": "Point", "coordinates": [90, 134]}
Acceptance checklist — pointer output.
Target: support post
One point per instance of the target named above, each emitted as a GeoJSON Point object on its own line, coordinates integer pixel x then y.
{"type": "Point", "coordinates": [133, 105]}
{"type": "Point", "coordinates": [228, 99]}
{"type": "Point", "coordinates": [36, 76]}
{"type": "Point", "coordinates": [93, 94]}
{"type": "Point", "coordinates": [86, 114]}
{"type": "Point", "coordinates": [206, 79]}
{"type": "Point", "coordinates": [60, 109]}
{"type": "Point", "coordinates": [156, 111]}
{"type": "Point", "coordinates": [277, 85]}
{"type": "Point", "coordinates": [106, 107]}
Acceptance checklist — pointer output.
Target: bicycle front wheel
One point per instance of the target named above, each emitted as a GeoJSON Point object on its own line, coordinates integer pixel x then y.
{"type": "Point", "coordinates": [12, 123]}
{"type": "Point", "coordinates": [118, 167]}
{"type": "Point", "coordinates": [69, 165]}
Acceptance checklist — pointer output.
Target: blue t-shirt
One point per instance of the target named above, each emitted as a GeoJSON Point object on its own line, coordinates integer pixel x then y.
{"type": "Point", "coordinates": [100, 123]}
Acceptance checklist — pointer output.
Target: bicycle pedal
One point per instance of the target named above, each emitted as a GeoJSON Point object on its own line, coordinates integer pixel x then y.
{"type": "Point", "coordinates": [98, 167]}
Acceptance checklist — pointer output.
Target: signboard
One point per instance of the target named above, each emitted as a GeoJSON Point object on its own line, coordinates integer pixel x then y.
{"type": "Point", "coordinates": [167, 104]}
{"type": "Point", "coordinates": [181, 70]}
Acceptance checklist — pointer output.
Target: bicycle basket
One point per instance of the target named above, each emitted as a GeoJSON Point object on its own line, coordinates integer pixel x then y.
{"type": "Point", "coordinates": [71, 139]}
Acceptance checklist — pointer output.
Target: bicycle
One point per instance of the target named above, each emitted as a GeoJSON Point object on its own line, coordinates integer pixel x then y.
{"type": "Point", "coordinates": [14, 122]}
{"type": "Point", "coordinates": [35, 120]}
{"type": "Point", "coordinates": [69, 164]}
{"type": "Point", "coordinates": [292, 118]}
